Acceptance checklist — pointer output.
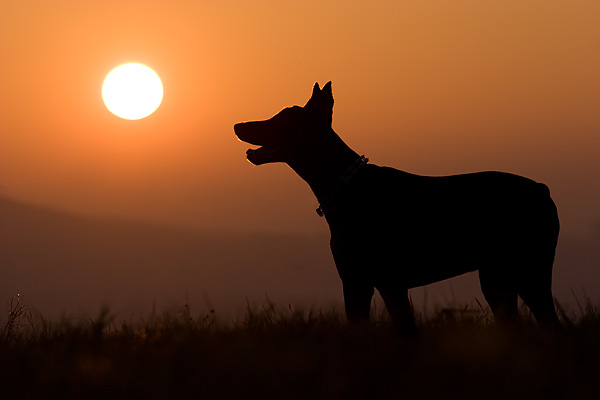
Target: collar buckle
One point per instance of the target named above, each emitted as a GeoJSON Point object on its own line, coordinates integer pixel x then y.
{"type": "Point", "coordinates": [344, 179]}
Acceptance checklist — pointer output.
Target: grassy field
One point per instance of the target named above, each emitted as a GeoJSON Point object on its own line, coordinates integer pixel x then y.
{"type": "Point", "coordinates": [285, 353]}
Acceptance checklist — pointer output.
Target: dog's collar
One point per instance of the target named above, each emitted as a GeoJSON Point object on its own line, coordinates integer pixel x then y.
{"type": "Point", "coordinates": [344, 179]}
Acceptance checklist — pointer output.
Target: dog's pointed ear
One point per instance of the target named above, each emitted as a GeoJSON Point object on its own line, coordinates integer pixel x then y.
{"type": "Point", "coordinates": [321, 102]}
{"type": "Point", "coordinates": [314, 98]}
{"type": "Point", "coordinates": [316, 89]}
{"type": "Point", "coordinates": [327, 89]}
{"type": "Point", "coordinates": [327, 93]}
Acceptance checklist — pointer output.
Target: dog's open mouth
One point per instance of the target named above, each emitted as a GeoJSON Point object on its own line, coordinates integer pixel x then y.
{"type": "Point", "coordinates": [261, 155]}
{"type": "Point", "coordinates": [250, 132]}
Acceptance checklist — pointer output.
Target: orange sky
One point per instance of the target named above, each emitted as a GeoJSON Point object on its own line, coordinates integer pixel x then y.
{"type": "Point", "coordinates": [432, 87]}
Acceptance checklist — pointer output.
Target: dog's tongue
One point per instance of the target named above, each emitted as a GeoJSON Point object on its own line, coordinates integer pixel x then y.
{"type": "Point", "coordinates": [260, 155]}
{"type": "Point", "coordinates": [254, 156]}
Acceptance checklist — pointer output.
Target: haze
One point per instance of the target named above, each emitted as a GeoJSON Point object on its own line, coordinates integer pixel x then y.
{"type": "Point", "coordinates": [427, 87]}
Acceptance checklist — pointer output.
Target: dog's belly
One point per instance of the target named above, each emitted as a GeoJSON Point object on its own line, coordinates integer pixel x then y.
{"type": "Point", "coordinates": [418, 266]}
{"type": "Point", "coordinates": [422, 274]}
{"type": "Point", "coordinates": [418, 281]}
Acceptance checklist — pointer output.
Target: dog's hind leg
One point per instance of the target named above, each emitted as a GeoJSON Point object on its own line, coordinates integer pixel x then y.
{"type": "Point", "coordinates": [535, 288]}
{"type": "Point", "coordinates": [499, 289]}
{"type": "Point", "coordinates": [541, 305]}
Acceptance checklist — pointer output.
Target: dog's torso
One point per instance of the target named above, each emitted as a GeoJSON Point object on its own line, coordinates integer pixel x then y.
{"type": "Point", "coordinates": [388, 224]}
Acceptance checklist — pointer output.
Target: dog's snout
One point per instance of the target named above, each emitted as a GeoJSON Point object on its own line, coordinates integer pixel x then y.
{"type": "Point", "coordinates": [241, 131]}
{"type": "Point", "coordinates": [237, 128]}
{"type": "Point", "coordinates": [249, 132]}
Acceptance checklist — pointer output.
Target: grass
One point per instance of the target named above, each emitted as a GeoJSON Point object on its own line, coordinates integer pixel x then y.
{"type": "Point", "coordinates": [296, 354]}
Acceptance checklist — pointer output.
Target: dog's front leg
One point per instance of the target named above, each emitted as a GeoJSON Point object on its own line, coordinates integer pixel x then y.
{"type": "Point", "coordinates": [399, 307]}
{"type": "Point", "coordinates": [357, 301]}
{"type": "Point", "coordinates": [356, 280]}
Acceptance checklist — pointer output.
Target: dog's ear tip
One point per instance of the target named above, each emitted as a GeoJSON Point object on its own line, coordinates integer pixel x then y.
{"type": "Point", "coordinates": [316, 87]}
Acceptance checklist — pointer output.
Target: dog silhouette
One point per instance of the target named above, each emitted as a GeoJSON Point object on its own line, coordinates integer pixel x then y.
{"type": "Point", "coordinates": [393, 230]}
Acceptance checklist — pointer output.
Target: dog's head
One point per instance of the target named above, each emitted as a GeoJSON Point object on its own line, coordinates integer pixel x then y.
{"type": "Point", "coordinates": [290, 132]}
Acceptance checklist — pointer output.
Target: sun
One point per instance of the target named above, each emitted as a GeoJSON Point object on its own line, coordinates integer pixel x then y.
{"type": "Point", "coordinates": [132, 91]}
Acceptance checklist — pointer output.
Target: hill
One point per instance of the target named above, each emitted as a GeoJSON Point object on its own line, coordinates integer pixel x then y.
{"type": "Point", "coordinates": [63, 263]}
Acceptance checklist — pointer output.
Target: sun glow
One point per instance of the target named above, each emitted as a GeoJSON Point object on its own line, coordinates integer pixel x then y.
{"type": "Point", "coordinates": [132, 91]}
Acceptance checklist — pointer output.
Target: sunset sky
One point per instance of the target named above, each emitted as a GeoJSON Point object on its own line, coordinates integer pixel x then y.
{"type": "Point", "coordinates": [432, 87]}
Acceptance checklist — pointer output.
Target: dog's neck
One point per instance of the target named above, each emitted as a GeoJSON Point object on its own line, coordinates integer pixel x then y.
{"type": "Point", "coordinates": [326, 163]}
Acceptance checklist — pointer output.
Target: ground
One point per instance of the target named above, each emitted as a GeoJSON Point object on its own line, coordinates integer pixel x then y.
{"type": "Point", "coordinates": [286, 353]}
